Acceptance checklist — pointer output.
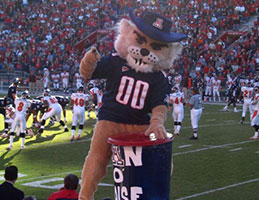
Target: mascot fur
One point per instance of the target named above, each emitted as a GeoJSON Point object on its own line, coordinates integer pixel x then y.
{"type": "Point", "coordinates": [136, 88]}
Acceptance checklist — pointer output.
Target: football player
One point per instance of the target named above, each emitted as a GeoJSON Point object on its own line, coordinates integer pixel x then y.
{"type": "Point", "coordinates": [63, 101]}
{"type": "Point", "coordinates": [255, 117]}
{"type": "Point", "coordinates": [96, 95]}
{"type": "Point", "coordinates": [65, 79]}
{"type": "Point", "coordinates": [45, 78]}
{"type": "Point", "coordinates": [12, 89]}
{"type": "Point", "coordinates": [176, 100]}
{"type": "Point", "coordinates": [177, 79]}
{"type": "Point", "coordinates": [246, 93]}
{"type": "Point", "coordinates": [54, 109]}
{"type": "Point", "coordinates": [78, 103]}
{"type": "Point", "coordinates": [55, 78]}
{"type": "Point", "coordinates": [208, 82]}
{"type": "Point", "coordinates": [79, 80]}
{"type": "Point", "coordinates": [216, 85]}
{"type": "Point", "coordinates": [230, 81]}
{"type": "Point", "coordinates": [22, 104]}
{"type": "Point", "coordinates": [36, 107]}
{"type": "Point", "coordinates": [4, 102]}
{"type": "Point", "coordinates": [232, 98]}
{"type": "Point", "coordinates": [10, 115]}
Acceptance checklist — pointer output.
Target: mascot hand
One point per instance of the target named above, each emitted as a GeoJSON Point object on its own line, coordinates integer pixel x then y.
{"type": "Point", "coordinates": [88, 63]}
{"type": "Point", "coordinates": [157, 128]}
{"type": "Point", "coordinates": [157, 122]}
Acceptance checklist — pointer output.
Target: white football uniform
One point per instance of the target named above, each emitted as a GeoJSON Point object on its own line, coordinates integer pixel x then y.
{"type": "Point", "coordinates": [208, 88]}
{"type": "Point", "coordinates": [55, 78]}
{"type": "Point", "coordinates": [21, 106]}
{"type": "Point", "coordinates": [216, 85]}
{"type": "Point", "coordinates": [10, 115]}
{"type": "Point", "coordinates": [19, 121]}
{"type": "Point", "coordinates": [54, 108]}
{"type": "Point", "coordinates": [247, 96]}
{"type": "Point", "coordinates": [45, 79]}
{"type": "Point", "coordinates": [79, 80]}
{"type": "Point", "coordinates": [80, 100]}
{"type": "Point", "coordinates": [96, 92]}
{"type": "Point", "coordinates": [177, 99]}
{"type": "Point", "coordinates": [65, 80]}
{"type": "Point", "coordinates": [255, 116]}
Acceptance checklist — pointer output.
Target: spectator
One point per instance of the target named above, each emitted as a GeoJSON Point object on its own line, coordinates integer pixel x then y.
{"type": "Point", "coordinates": [67, 192]}
{"type": "Point", "coordinates": [7, 189]}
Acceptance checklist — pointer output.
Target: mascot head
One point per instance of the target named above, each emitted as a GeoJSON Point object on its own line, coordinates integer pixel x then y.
{"type": "Point", "coordinates": [147, 43]}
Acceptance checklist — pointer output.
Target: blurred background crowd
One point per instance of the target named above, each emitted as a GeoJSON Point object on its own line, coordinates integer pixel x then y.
{"type": "Point", "coordinates": [39, 34]}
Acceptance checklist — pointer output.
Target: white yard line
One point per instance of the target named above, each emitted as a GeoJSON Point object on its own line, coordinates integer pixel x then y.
{"type": "Point", "coordinates": [46, 176]}
{"type": "Point", "coordinates": [219, 189]}
{"type": "Point", "coordinates": [184, 146]}
{"type": "Point", "coordinates": [210, 125]}
{"type": "Point", "coordinates": [212, 147]}
{"type": "Point", "coordinates": [237, 149]}
{"type": "Point", "coordinates": [211, 120]}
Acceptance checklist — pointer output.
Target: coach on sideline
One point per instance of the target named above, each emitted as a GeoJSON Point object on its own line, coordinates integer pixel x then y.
{"type": "Point", "coordinates": [7, 189]}
{"type": "Point", "coordinates": [195, 104]}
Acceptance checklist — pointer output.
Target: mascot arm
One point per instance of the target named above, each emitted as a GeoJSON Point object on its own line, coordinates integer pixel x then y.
{"type": "Point", "coordinates": [88, 63]}
{"type": "Point", "coordinates": [157, 122]}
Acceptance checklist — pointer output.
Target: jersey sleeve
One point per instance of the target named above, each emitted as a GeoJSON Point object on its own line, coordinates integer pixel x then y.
{"type": "Point", "coordinates": [73, 96]}
{"type": "Point", "coordinates": [192, 101]}
{"type": "Point", "coordinates": [105, 67]}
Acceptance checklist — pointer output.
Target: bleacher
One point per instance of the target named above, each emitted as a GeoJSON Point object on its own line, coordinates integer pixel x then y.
{"type": "Point", "coordinates": [6, 78]}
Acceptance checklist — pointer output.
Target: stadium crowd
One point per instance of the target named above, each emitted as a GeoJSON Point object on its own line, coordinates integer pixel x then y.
{"type": "Point", "coordinates": [38, 34]}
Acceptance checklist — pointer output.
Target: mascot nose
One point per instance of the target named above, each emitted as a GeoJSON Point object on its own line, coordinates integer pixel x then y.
{"type": "Point", "coordinates": [144, 52]}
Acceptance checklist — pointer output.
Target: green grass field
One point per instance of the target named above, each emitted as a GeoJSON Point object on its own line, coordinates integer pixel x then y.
{"type": "Point", "coordinates": [221, 165]}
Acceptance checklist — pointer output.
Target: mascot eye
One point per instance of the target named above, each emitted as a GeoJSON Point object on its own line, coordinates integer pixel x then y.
{"type": "Point", "coordinates": [140, 40]}
{"type": "Point", "coordinates": [157, 46]}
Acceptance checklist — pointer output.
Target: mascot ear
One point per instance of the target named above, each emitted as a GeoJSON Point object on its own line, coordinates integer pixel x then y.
{"type": "Point", "coordinates": [125, 27]}
{"type": "Point", "coordinates": [124, 30]}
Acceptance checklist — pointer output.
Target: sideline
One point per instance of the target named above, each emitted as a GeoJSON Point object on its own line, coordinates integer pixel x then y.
{"type": "Point", "coordinates": [218, 189]}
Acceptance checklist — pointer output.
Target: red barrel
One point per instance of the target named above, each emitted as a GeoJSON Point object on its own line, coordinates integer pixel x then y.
{"type": "Point", "coordinates": [141, 166]}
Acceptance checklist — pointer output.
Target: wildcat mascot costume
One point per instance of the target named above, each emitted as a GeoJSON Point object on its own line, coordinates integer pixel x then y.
{"type": "Point", "coordinates": [136, 89]}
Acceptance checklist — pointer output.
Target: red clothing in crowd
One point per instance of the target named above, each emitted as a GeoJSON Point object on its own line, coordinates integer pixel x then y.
{"type": "Point", "coordinates": [64, 194]}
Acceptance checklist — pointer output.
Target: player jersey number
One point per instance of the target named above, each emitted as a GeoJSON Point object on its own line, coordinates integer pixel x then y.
{"type": "Point", "coordinates": [177, 100]}
{"type": "Point", "coordinates": [126, 91]}
{"type": "Point", "coordinates": [20, 106]}
{"type": "Point", "coordinates": [52, 100]}
{"type": "Point", "coordinates": [79, 102]}
{"type": "Point", "coordinates": [248, 94]}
